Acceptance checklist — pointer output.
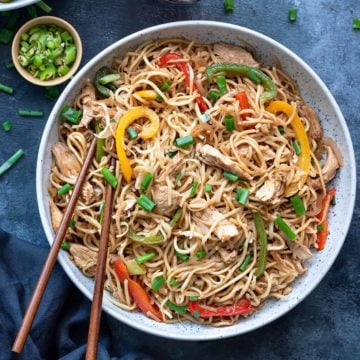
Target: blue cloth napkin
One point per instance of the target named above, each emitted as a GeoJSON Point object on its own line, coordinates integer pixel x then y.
{"type": "Point", "coordinates": [59, 330]}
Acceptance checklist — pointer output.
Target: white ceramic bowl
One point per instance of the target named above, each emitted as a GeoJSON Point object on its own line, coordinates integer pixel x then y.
{"type": "Point", "coordinates": [313, 91]}
{"type": "Point", "coordinates": [16, 4]}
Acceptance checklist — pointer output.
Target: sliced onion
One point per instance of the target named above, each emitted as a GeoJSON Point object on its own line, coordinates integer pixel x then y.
{"type": "Point", "coordinates": [330, 142]}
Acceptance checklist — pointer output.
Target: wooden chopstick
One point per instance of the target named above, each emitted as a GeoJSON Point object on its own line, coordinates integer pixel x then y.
{"type": "Point", "coordinates": [95, 315]}
{"type": "Point", "coordinates": [51, 258]}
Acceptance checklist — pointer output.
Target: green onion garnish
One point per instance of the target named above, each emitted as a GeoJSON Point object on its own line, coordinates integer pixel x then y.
{"type": "Point", "coordinates": [109, 79]}
{"type": "Point", "coordinates": [65, 189]}
{"type": "Point", "coordinates": [44, 7]}
{"type": "Point", "coordinates": [109, 177]}
{"type": "Point", "coordinates": [65, 245]}
{"type": "Point", "coordinates": [72, 224]}
{"type": "Point", "coordinates": [194, 188]}
{"type": "Point", "coordinates": [181, 256]}
{"type": "Point", "coordinates": [11, 161]}
{"type": "Point", "coordinates": [281, 130]}
{"type": "Point", "coordinates": [146, 181]}
{"type": "Point", "coordinates": [320, 227]}
{"type": "Point", "coordinates": [144, 258]}
{"type": "Point", "coordinates": [229, 6]}
{"type": "Point", "coordinates": [13, 20]}
{"type": "Point", "coordinates": [356, 24]}
{"type": "Point", "coordinates": [30, 113]}
{"type": "Point", "coordinates": [285, 228]}
{"type": "Point", "coordinates": [176, 217]}
{"type": "Point", "coordinates": [213, 95]}
{"type": "Point", "coordinates": [178, 177]}
{"type": "Point", "coordinates": [6, 36]}
{"type": "Point", "coordinates": [70, 115]}
{"type": "Point", "coordinates": [230, 176]}
{"type": "Point", "coordinates": [184, 141]}
{"type": "Point", "coordinates": [6, 125]}
{"type": "Point", "coordinates": [229, 122]}
{"type": "Point", "coordinates": [292, 14]}
{"type": "Point", "coordinates": [51, 92]}
{"type": "Point", "coordinates": [102, 210]}
{"type": "Point", "coordinates": [176, 308]}
{"type": "Point", "coordinates": [31, 10]}
{"type": "Point", "coordinates": [298, 205]}
{"type": "Point", "coordinates": [10, 65]}
{"type": "Point", "coordinates": [6, 89]}
{"type": "Point", "coordinates": [132, 133]}
{"type": "Point", "coordinates": [333, 201]}
{"type": "Point", "coordinates": [146, 203]}
{"type": "Point", "coordinates": [158, 283]}
{"type": "Point", "coordinates": [242, 195]}
{"type": "Point", "coordinates": [221, 83]}
{"type": "Point", "coordinates": [196, 313]}
{"type": "Point", "coordinates": [173, 282]}
{"type": "Point", "coordinates": [297, 147]}
{"type": "Point", "coordinates": [193, 298]}
{"type": "Point", "coordinates": [207, 188]}
{"type": "Point", "coordinates": [245, 263]}
{"type": "Point", "coordinates": [200, 254]}
{"type": "Point", "coordinates": [171, 153]}
{"type": "Point", "coordinates": [165, 86]}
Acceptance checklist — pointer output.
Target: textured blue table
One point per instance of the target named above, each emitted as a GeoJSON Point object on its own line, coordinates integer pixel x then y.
{"type": "Point", "coordinates": [324, 326]}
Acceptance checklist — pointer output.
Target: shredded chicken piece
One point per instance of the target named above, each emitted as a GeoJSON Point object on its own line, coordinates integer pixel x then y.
{"type": "Point", "coordinates": [88, 93]}
{"type": "Point", "coordinates": [87, 116]}
{"type": "Point", "coordinates": [88, 193]}
{"type": "Point", "coordinates": [229, 53]}
{"type": "Point", "coordinates": [299, 250]}
{"type": "Point", "coordinates": [171, 169]}
{"type": "Point", "coordinates": [213, 157]}
{"type": "Point", "coordinates": [200, 63]}
{"type": "Point", "coordinates": [84, 258]}
{"type": "Point", "coordinates": [130, 201]}
{"type": "Point", "coordinates": [315, 131]}
{"type": "Point", "coordinates": [266, 192]}
{"type": "Point", "coordinates": [56, 215]}
{"type": "Point", "coordinates": [66, 161]}
{"type": "Point", "coordinates": [228, 257]}
{"type": "Point", "coordinates": [167, 200]}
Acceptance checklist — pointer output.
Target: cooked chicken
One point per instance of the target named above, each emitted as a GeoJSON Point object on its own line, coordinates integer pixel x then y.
{"type": "Point", "coordinates": [66, 162]}
{"type": "Point", "coordinates": [84, 258]}
{"type": "Point", "coordinates": [88, 93]}
{"type": "Point", "coordinates": [224, 230]}
{"type": "Point", "coordinates": [266, 191]}
{"type": "Point", "coordinates": [299, 251]}
{"type": "Point", "coordinates": [56, 215]}
{"type": "Point", "coordinates": [130, 201]}
{"type": "Point", "coordinates": [171, 169]}
{"type": "Point", "coordinates": [167, 200]}
{"type": "Point", "coordinates": [213, 157]}
{"type": "Point", "coordinates": [316, 131]}
{"type": "Point", "coordinates": [88, 193]}
{"type": "Point", "coordinates": [228, 257]}
{"type": "Point", "coordinates": [87, 116]}
{"type": "Point", "coordinates": [228, 53]}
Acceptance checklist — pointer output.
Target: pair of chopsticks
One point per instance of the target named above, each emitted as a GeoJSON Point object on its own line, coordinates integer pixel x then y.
{"type": "Point", "coordinates": [95, 315]}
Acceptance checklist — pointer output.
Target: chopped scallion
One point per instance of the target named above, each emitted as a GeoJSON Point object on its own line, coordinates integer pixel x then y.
{"type": "Point", "coordinates": [171, 153]}
{"type": "Point", "coordinates": [146, 203]}
{"type": "Point", "coordinates": [356, 24]}
{"type": "Point", "coordinates": [229, 6]}
{"type": "Point", "coordinates": [178, 177]}
{"type": "Point", "coordinates": [31, 10]}
{"type": "Point", "coordinates": [102, 209]}
{"type": "Point", "coordinates": [44, 7]}
{"type": "Point", "coordinates": [109, 177]}
{"type": "Point", "coordinates": [184, 141]}
{"type": "Point", "coordinates": [208, 188]}
{"type": "Point", "coordinates": [65, 245]}
{"type": "Point", "coordinates": [333, 201]}
{"type": "Point", "coordinates": [11, 161]}
{"type": "Point", "coordinates": [10, 65]}
{"type": "Point", "coordinates": [132, 133]}
{"type": "Point", "coordinates": [200, 254]}
{"type": "Point", "coordinates": [70, 115]}
{"type": "Point", "coordinates": [176, 308]}
{"type": "Point", "coordinates": [173, 282]}
{"type": "Point", "coordinates": [213, 95]}
{"type": "Point", "coordinates": [281, 130]}
{"type": "Point", "coordinates": [158, 283]}
{"type": "Point", "coordinates": [320, 227]}
{"type": "Point", "coordinates": [229, 121]}
{"type": "Point", "coordinates": [193, 298]}
{"type": "Point", "coordinates": [65, 189]}
{"type": "Point", "coordinates": [242, 195]}
{"type": "Point", "coordinates": [298, 205]}
{"type": "Point", "coordinates": [297, 147]}
{"type": "Point", "coordinates": [181, 256]}
{"type": "Point", "coordinates": [230, 176]}
{"type": "Point", "coordinates": [245, 263]}
{"type": "Point", "coordinates": [165, 86]}
{"type": "Point", "coordinates": [285, 228]}
{"type": "Point", "coordinates": [292, 14]}
{"type": "Point", "coordinates": [194, 188]}
{"type": "Point", "coordinates": [51, 92]}
{"type": "Point", "coordinates": [72, 224]}
{"type": "Point", "coordinates": [109, 79]}
{"type": "Point", "coordinates": [6, 36]}
{"type": "Point", "coordinates": [30, 113]}
{"type": "Point", "coordinates": [6, 125]}
{"type": "Point", "coordinates": [146, 181]}
{"type": "Point", "coordinates": [6, 89]}
{"type": "Point", "coordinates": [144, 258]}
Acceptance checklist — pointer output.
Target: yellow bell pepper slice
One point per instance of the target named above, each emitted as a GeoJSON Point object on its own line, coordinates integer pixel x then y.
{"type": "Point", "coordinates": [147, 94]}
{"type": "Point", "coordinates": [147, 132]}
{"type": "Point", "coordinates": [304, 159]}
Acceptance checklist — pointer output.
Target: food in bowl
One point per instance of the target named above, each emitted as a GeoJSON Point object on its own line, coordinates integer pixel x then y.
{"type": "Point", "coordinates": [47, 51]}
{"type": "Point", "coordinates": [221, 180]}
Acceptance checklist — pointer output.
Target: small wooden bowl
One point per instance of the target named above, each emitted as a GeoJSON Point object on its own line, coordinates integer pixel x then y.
{"type": "Point", "coordinates": [46, 20]}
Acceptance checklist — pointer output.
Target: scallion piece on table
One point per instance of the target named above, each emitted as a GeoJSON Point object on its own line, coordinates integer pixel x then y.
{"type": "Point", "coordinates": [102, 210]}
{"type": "Point", "coordinates": [173, 282]}
{"type": "Point", "coordinates": [213, 95]}
{"type": "Point", "coordinates": [178, 177]}
{"type": "Point", "coordinates": [72, 224]}
{"type": "Point", "coordinates": [292, 14]}
{"type": "Point", "coordinates": [10, 65]}
{"type": "Point", "coordinates": [296, 147]}
{"type": "Point", "coordinates": [65, 189]}
{"type": "Point", "coordinates": [30, 113]}
{"type": "Point", "coordinates": [166, 85]}
{"type": "Point", "coordinates": [158, 283]}
{"type": "Point", "coordinates": [70, 115]}
{"type": "Point", "coordinates": [356, 24]}
{"type": "Point", "coordinates": [146, 203]}
{"type": "Point", "coordinates": [171, 153]}
{"type": "Point", "coordinates": [44, 7]}
{"type": "Point", "coordinates": [230, 176]}
{"type": "Point", "coordinates": [221, 83]}
{"type": "Point", "coordinates": [6, 89]}
{"type": "Point", "coordinates": [13, 20]}
{"type": "Point", "coordinates": [109, 79]}
{"type": "Point", "coordinates": [184, 141]}
{"type": "Point", "coordinates": [245, 263]}
{"type": "Point", "coordinates": [208, 188]}
{"type": "Point", "coordinates": [229, 6]}
{"type": "Point", "coordinates": [200, 254]}
{"type": "Point", "coordinates": [31, 10]}
{"type": "Point", "coordinates": [229, 121]}
{"type": "Point", "coordinates": [181, 256]}
{"type": "Point", "coordinates": [6, 125]}
{"type": "Point", "coordinates": [281, 130]}
{"type": "Point", "coordinates": [298, 205]}
{"type": "Point", "coordinates": [193, 298]}
{"type": "Point", "coordinates": [242, 195]}
{"type": "Point", "coordinates": [11, 161]}
{"type": "Point", "coordinates": [176, 308]}
{"type": "Point", "coordinates": [144, 258]}
{"type": "Point", "coordinates": [65, 245]}
{"type": "Point", "coordinates": [146, 181]}
{"type": "Point", "coordinates": [132, 133]}
{"type": "Point", "coordinates": [6, 36]}
{"type": "Point", "coordinates": [109, 177]}
{"type": "Point", "coordinates": [51, 92]}
{"type": "Point", "coordinates": [194, 188]}
{"type": "Point", "coordinates": [285, 228]}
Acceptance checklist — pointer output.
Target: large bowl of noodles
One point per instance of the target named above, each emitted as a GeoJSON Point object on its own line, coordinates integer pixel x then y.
{"type": "Point", "coordinates": [279, 299]}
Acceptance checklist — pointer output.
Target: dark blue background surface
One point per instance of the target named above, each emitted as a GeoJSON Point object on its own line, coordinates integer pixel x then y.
{"type": "Point", "coordinates": [327, 324]}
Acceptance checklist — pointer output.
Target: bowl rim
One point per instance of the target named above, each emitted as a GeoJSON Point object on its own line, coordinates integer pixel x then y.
{"type": "Point", "coordinates": [16, 4]}
{"type": "Point", "coordinates": [53, 116]}
{"type": "Point", "coordinates": [46, 20]}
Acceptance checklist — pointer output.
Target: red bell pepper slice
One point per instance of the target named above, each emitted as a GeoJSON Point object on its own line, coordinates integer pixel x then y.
{"type": "Point", "coordinates": [168, 59]}
{"type": "Point", "coordinates": [323, 233]}
{"type": "Point", "coordinates": [140, 296]}
{"type": "Point", "coordinates": [241, 307]}
{"type": "Point", "coordinates": [244, 104]}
